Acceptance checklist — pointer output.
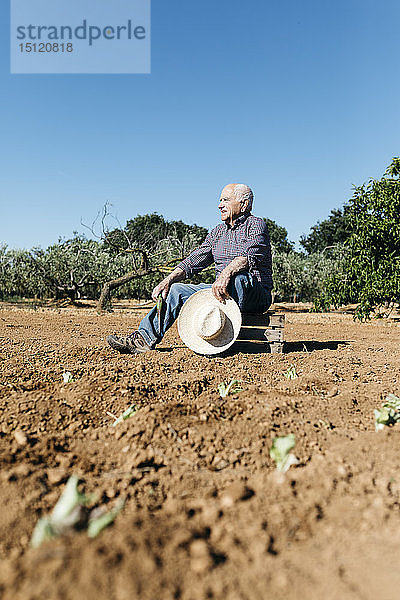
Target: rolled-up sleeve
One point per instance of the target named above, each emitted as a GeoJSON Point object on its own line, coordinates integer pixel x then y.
{"type": "Point", "coordinates": [199, 259]}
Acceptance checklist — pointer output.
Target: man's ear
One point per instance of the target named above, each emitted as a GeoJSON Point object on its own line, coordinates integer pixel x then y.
{"type": "Point", "coordinates": [245, 204]}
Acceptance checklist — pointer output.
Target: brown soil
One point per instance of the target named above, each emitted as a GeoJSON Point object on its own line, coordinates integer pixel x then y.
{"type": "Point", "coordinates": [206, 516]}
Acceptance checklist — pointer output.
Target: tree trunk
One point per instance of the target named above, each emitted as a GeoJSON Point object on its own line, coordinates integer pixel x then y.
{"type": "Point", "coordinates": [104, 302]}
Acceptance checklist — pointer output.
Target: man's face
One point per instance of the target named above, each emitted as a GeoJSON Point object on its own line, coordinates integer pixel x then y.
{"type": "Point", "coordinates": [230, 208]}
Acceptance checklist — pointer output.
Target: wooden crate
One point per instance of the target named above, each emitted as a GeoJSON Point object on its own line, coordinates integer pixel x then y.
{"type": "Point", "coordinates": [266, 328]}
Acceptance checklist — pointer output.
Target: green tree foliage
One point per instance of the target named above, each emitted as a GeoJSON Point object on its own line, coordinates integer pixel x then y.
{"type": "Point", "coordinates": [369, 273]}
{"type": "Point", "coordinates": [156, 236]}
{"type": "Point", "coordinates": [300, 278]}
{"type": "Point", "coordinates": [79, 267]}
{"type": "Point", "coordinates": [279, 237]}
{"type": "Point", "coordinates": [71, 268]}
{"type": "Point", "coordinates": [297, 277]}
{"type": "Point", "coordinates": [163, 241]}
{"type": "Point", "coordinates": [334, 230]}
{"type": "Point", "coordinates": [17, 277]}
{"type": "Point", "coordinates": [5, 269]}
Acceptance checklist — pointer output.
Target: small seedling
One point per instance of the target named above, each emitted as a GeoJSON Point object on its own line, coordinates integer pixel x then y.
{"type": "Point", "coordinates": [280, 452]}
{"type": "Point", "coordinates": [67, 376]}
{"type": "Point", "coordinates": [71, 513]}
{"type": "Point", "coordinates": [291, 373]}
{"type": "Point", "coordinates": [232, 387]}
{"type": "Point", "coordinates": [129, 412]}
{"type": "Point", "coordinates": [98, 523]}
{"type": "Point", "coordinates": [388, 414]}
{"type": "Point", "coordinates": [67, 513]}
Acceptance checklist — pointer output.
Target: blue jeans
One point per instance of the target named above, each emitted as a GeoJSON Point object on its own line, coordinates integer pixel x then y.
{"type": "Point", "coordinates": [243, 287]}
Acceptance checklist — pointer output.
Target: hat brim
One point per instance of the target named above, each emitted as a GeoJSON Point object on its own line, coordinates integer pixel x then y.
{"type": "Point", "coordinates": [226, 337]}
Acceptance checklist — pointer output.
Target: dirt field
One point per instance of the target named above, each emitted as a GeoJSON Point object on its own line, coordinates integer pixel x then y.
{"type": "Point", "coordinates": [206, 516]}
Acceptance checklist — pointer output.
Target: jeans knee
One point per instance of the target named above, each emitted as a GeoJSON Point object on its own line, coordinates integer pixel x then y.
{"type": "Point", "coordinates": [175, 289]}
{"type": "Point", "coordinates": [178, 291]}
{"type": "Point", "coordinates": [238, 281]}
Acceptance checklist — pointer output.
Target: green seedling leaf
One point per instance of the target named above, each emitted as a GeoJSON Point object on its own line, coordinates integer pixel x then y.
{"type": "Point", "coordinates": [67, 376]}
{"type": "Point", "coordinates": [159, 307]}
{"type": "Point", "coordinates": [129, 412]}
{"type": "Point", "coordinates": [43, 531]}
{"type": "Point", "coordinates": [291, 373]}
{"type": "Point", "coordinates": [67, 513]}
{"type": "Point", "coordinates": [97, 524]}
{"type": "Point", "coordinates": [232, 387]}
{"type": "Point", "coordinates": [71, 512]}
{"type": "Point", "coordinates": [159, 304]}
{"type": "Point", "coordinates": [280, 452]}
{"type": "Point", "coordinates": [388, 414]}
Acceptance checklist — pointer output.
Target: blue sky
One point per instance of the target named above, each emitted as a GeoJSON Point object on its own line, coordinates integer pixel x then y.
{"type": "Point", "coordinates": [300, 100]}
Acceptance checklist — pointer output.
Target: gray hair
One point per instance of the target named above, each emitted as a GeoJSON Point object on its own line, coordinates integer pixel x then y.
{"type": "Point", "coordinates": [243, 193]}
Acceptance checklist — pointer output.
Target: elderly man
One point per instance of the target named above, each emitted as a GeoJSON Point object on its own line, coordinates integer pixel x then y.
{"type": "Point", "coordinates": [241, 251]}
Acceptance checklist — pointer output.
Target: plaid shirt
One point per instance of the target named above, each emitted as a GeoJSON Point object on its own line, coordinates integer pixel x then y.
{"type": "Point", "coordinates": [248, 237]}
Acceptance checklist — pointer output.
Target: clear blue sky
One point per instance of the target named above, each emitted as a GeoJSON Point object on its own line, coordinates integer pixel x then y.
{"type": "Point", "coordinates": [300, 100]}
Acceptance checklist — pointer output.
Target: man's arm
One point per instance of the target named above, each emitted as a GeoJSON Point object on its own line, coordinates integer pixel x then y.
{"type": "Point", "coordinates": [197, 260]}
{"type": "Point", "coordinates": [220, 285]}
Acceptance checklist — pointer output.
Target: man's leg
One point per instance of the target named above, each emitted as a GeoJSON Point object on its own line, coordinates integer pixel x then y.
{"type": "Point", "coordinates": [150, 332]}
{"type": "Point", "coordinates": [249, 293]}
{"type": "Point", "coordinates": [150, 329]}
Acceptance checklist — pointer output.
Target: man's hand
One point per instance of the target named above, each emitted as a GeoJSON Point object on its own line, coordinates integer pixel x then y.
{"type": "Point", "coordinates": [220, 287]}
{"type": "Point", "coordinates": [162, 288]}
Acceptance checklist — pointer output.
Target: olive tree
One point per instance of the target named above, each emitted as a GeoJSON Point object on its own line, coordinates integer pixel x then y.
{"type": "Point", "coordinates": [299, 277]}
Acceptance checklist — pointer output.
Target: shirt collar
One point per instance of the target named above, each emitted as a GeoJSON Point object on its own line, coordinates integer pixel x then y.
{"type": "Point", "coordinates": [239, 221]}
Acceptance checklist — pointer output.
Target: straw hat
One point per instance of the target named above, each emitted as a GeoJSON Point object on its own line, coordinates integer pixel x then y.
{"type": "Point", "coordinates": [208, 326]}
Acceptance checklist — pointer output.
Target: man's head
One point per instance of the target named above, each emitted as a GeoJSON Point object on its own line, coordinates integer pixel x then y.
{"type": "Point", "coordinates": [236, 199]}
